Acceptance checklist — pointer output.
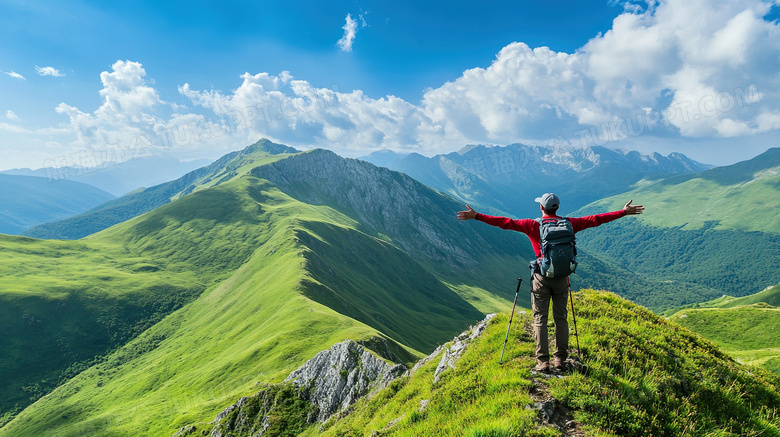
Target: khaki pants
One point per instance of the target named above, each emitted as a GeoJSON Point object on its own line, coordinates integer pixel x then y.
{"type": "Point", "coordinates": [544, 289]}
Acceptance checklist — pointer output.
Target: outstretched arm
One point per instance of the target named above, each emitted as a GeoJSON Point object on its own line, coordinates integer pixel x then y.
{"type": "Point", "coordinates": [633, 209]}
{"type": "Point", "coordinates": [467, 215]}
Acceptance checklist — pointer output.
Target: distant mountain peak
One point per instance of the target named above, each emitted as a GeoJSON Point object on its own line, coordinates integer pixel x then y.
{"type": "Point", "coordinates": [268, 146]}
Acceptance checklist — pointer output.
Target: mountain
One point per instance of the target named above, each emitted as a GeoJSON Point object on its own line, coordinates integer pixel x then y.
{"type": "Point", "coordinates": [118, 177]}
{"type": "Point", "coordinates": [506, 179]}
{"type": "Point", "coordinates": [745, 327]}
{"type": "Point", "coordinates": [242, 279]}
{"type": "Point", "coordinates": [715, 228]}
{"type": "Point", "coordinates": [639, 375]}
{"type": "Point", "coordinates": [147, 199]}
{"type": "Point", "coordinates": [28, 201]}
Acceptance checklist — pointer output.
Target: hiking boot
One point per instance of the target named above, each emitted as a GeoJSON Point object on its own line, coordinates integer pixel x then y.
{"type": "Point", "coordinates": [559, 364]}
{"type": "Point", "coordinates": [542, 366]}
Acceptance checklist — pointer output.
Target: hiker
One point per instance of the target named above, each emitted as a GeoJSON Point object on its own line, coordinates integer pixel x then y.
{"type": "Point", "coordinates": [550, 286]}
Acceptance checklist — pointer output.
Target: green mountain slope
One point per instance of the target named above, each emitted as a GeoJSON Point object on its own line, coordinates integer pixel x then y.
{"type": "Point", "coordinates": [745, 327]}
{"type": "Point", "coordinates": [770, 296]}
{"type": "Point", "coordinates": [64, 303]}
{"type": "Point", "coordinates": [279, 279]}
{"type": "Point", "coordinates": [645, 376]}
{"type": "Point", "coordinates": [740, 197]}
{"type": "Point", "coordinates": [28, 201]}
{"type": "Point", "coordinates": [712, 229]}
{"type": "Point", "coordinates": [144, 200]}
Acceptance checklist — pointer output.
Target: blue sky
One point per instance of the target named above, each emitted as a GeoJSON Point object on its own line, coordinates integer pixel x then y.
{"type": "Point", "coordinates": [422, 76]}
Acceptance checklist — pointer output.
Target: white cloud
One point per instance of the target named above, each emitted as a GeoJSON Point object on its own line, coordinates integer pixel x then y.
{"type": "Point", "coordinates": [350, 30]}
{"type": "Point", "coordinates": [689, 70]}
{"type": "Point", "coordinates": [126, 111]}
{"type": "Point", "coordinates": [679, 68]}
{"type": "Point", "coordinates": [15, 75]}
{"type": "Point", "coordinates": [11, 115]}
{"type": "Point", "coordinates": [48, 71]}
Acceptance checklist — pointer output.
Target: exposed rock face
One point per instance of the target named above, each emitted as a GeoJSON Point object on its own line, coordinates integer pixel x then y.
{"type": "Point", "coordinates": [337, 377]}
{"type": "Point", "coordinates": [453, 353]}
{"type": "Point", "coordinates": [325, 385]}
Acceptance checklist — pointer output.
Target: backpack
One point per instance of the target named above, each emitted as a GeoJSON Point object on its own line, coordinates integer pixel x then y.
{"type": "Point", "coordinates": [559, 252]}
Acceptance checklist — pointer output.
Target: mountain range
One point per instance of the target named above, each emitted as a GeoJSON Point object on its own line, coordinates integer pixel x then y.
{"type": "Point", "coordinates": [241, 273]}
{"type": "Point", "coordinates": [28, 201]}
{"type": "Point", "coordinates": [505, 179]}
{"type": "Point", "coordinates": [137, 170]}
{"type": "Point", "coordinates": [181, 299]}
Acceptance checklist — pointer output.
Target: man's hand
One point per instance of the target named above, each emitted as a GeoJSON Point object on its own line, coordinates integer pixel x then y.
{"type": "Point", "coordinates": [467, 215]}
{"type": "Point", "coordinates": [632, 209]}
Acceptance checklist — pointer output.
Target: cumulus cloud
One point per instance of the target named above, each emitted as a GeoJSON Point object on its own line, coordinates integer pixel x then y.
{"type": "Point", "coordinates": [126, 111]}
{"type": "Point", "coordinates": [680, 69]}
{"type": "Point", "coordinates": [48, 71]}
{"type": "Point", "coordinates": [15, 75]}
{"type": "Point", "coordinates": [350, 30]}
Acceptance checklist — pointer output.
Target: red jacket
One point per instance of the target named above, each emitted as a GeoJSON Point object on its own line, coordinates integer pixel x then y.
{"type": "Point", "coordinates": [530, 227]}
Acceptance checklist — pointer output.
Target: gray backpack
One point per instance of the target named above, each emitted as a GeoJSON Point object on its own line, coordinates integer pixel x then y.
{"type": "Point", "coordinates": [559, 252]}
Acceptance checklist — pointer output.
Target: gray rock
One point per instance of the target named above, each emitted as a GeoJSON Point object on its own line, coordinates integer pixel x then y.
{"type": "Point", "coordinates": [452, 353]}
{"type": "Point", "coordinates": [335, 378]}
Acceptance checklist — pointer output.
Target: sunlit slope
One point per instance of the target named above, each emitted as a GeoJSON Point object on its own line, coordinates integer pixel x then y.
{"type": "Point", "coordinates": [748, 328]}
{"type": "Point", "coordinates": [257, 324]}
{"type": "Point", "coordinates": [718, 228]}
{"type": "Point", "coordinates": [646, 376]}
{"type": "Point", "coordinates": [770, 296]}
{"type": "Point", "coordinates": [743, 196]}
{"type": "Point", "coordinates": [140, 201]}
{"type": "Point", "coordinates": [64, 303]}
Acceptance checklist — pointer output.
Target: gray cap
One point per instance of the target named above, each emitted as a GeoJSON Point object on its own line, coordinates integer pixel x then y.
{"type": "Point", "coordinates": [548, 201]}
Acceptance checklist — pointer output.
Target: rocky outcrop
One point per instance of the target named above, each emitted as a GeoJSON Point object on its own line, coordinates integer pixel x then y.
{"type": "Point", "coordinates": [337, 377]}
{"type": "Point", "coordinates": [325, 385]}
{"type": "Point", "coordinates": [451, 353]}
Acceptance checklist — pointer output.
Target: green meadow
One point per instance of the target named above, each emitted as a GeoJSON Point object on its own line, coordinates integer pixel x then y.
{"type": "Point", "coordinates": [644, 376]}
{"type": "Point", "coordinates": [747, 328]}
{"type": "Point", "coordinates": [258, 283]}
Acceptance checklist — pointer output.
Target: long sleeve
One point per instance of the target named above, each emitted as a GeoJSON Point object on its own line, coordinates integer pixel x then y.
{"type": "Point", "coordinates": [590, 221]}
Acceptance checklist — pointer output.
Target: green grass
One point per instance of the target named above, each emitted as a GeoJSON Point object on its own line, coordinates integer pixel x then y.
{"type": "Point", "coordinates": [746, 328]}
{"type": "Point", "coordinates": [736, 197]}
{"type": "Point", "coordinates": [646, 376]}
{"type": "Point", "coordinates": [478, 397]}
{"type": "Point", "coordinates": [64, 303]}
{"type": "Point", "coordinates": [265, 260]}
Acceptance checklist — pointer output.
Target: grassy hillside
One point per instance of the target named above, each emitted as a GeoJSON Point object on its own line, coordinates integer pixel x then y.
{"type": "Point", "coordinates": [644, 376]}
{"type": "Point", "coordinates": [283, 279]}
{"type": "Point", "coordinates": [746, 327]}
{"type": "Point", "coordinates": [28, 201]}
{"type": "Point", "coordinates": [698, 229]}
{"type": "Point", "coordinates": [741, 196]}
{"type": "Point", "coordinates": [770, 296]}
{"type": "Point", "coordinates": [138, 202]}
{"type": "Point", "coordinates": [64, 303]}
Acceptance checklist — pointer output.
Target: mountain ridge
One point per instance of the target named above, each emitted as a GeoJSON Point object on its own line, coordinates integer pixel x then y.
{"type": "Point", "coordinates": [144, 200]}
{"type": "Point", "coordinates": [505, 179]}
{"type": "Point", "coordinates": [30, 200]}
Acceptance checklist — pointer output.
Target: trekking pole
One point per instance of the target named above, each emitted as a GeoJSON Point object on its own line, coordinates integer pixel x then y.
{"type": "Point", "coordinates": [501, 360]}
{"type": "Point", "coordinates": [576, 334]}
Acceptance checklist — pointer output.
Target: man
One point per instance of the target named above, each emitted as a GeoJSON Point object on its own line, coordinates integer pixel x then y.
{"type": "Point", "coordinates": [544, 288]}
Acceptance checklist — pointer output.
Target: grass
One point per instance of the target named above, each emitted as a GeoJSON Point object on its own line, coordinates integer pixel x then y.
{"type": "Point", "coordinates": [646, 376]}
{"type": "Point", "coordinates": [479, 397]}
{"type": "Point", "coordinates": [737, 197]}
{"type": "Point", "coordinates": [265, 260]}
{"type": "Point", "coordinates": [746, 327]}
